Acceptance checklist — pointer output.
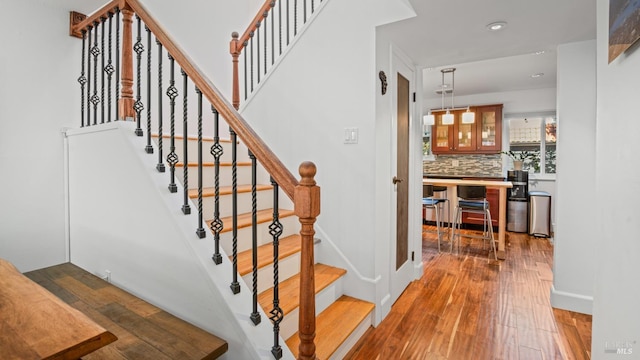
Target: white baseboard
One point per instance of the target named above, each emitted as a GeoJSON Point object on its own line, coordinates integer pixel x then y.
{"type": "Point", "coordinates": [572, 302]}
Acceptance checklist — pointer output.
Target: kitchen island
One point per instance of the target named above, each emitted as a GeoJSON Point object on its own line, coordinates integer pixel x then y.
{"type": "Point", "coordinates": [502, 187]}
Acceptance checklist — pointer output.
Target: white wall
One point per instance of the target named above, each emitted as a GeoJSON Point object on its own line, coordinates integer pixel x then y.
{"type": "Point", "coordinates": [39, 65]}
{"type": "Point", "coordinates": [301, 112]}
{"type": "Point", "coordinates": [574, 259]}
{"type": "Point", "coordinates": [616, 294]}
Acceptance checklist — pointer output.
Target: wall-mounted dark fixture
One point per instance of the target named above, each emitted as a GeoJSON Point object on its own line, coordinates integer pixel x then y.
{"type": "Point", "coordinates": [383, 79]}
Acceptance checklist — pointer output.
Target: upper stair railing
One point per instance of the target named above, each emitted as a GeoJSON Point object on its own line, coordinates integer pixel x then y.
{"type": "Point", "coordinates": [279, 28]}
{"type": "Point", "coordinates": [101, 93]}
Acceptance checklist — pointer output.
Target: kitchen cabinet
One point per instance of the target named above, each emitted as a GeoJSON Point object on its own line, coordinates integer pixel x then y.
{"type": "Point", "coordinates": [481, 137]}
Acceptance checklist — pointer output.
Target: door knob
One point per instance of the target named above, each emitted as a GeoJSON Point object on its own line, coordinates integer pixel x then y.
{"type": "Point", "coordinates": [396, 180]}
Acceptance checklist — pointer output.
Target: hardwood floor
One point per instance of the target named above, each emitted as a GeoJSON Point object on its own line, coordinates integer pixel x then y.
{"type": "Point", "coordinates": [470, 307]}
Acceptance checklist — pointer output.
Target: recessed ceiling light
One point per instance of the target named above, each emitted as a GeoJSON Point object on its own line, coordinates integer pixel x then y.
{"type": "Point", "coordinates": [537, 75]}
{"type": "Point", "coordinates": [539, 52]}
{"type": "Point", "coordinates": [495, 26]}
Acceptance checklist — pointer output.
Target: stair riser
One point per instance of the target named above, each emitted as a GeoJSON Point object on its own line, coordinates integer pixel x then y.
{"type": "Point", "coordinates": [324, 299]}
{"type": "Point", "coordinates": [242, 154]}
{"type": "Point", "coordinates": [290, 225]}
{"type": "Point", "coordinates": [352, 340]}
{"type": "Point", "coordinates": [264, 200]}
{"type": "Point", "coordinates": [208, 172]}
{"type": "Point", "coordinates": [287, 268]}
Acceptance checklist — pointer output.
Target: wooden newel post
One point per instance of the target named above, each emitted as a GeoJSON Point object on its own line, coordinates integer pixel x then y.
{"type": "Point", "coordinates": [235, 52]}
{"type": "Point", "coordinates": [126, 101]}
{"type": "Point", "coordinates": [307, 207]}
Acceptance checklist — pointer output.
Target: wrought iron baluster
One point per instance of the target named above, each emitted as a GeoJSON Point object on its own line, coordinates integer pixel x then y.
{"type": "Point", "coordinates": [280, 26]}
{"type": "Point", "coordinates": [235, 285]}
{"type": "Point", "coordinates": [172, 158]}
{"type": "Point", "coordinates": [95, 51]}
{"type": "Point", "coordinates": [313, 3]}
{"type": "Point", "coordinates": [288, 15]}
{"type": "Point", "coordinates": [186, 209]}
{"type": "Point", "coordinates": [148, 149]}
{"type": "Point", "coordinates": [264, 15]}
{"type": "Point", "coordinates": [304, 11]}
{"type": "Point", "coordinates": [245, 71]}
{"type": "Point", "coordinates": [200, 231]}
{"type": "Point", "coordinates": [160, 165]}
{"type": "Point", "coordinates": [117, 63]}
{"type": "Point", "coordinates": [102, 19]}
{"type": "Point", "coordinates": [295, 17]}
{"type": "Point", "coordinates": [255, 315]}
{"type": "Point", "coordinates": [139, 49]}
{"type": "Point", "coordinates": [258, 51]}
{"type": "Point", "coordinates": [109, 70]}
{"type": "Point", "coordinates": [216, 151]}
{"type": "Point", "coordinates": [89, 55]}
{"type": "Point", "coordinates": [251, 58]}
{"type": "Point", "coordinates": [275, 230]}
{"type": "Point", "coordinates": [82, 79]}
{"type": "Point", "coordinates": [273, 34]}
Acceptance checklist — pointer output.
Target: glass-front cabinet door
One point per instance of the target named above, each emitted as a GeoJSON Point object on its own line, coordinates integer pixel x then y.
{"type": "Point", "coordinates": [442, 136]}
{"type": "Point", "coordinates": [466, 137]}
{"type": "Point", "coordinates": [489, 126]}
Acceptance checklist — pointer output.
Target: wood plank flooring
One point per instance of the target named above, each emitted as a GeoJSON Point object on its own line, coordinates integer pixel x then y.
{"type": "Point", "coordinates": [143, 330]}
{"type": "Point", "coordinates": [470, 307]}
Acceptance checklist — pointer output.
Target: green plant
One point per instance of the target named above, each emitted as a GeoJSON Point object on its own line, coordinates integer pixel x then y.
{"type": "Point", "coordinates": [521, 155]}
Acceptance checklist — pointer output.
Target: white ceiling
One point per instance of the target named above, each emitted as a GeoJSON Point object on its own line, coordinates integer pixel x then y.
{"type": "Point", "coordinates": [452, 33]}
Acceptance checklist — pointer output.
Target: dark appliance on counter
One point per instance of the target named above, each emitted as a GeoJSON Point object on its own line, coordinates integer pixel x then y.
{"type": "Point", "coordinates": [517, 200]}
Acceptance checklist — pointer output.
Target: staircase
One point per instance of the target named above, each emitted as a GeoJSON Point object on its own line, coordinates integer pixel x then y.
{"type": "Point", "coordinates": [341, 319]}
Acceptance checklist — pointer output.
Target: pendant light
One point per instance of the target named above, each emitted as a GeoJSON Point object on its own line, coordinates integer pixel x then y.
{"type": "Point", "coordinates": [468, 117]}
{"type": "Point", "coordinates": [447, 119]}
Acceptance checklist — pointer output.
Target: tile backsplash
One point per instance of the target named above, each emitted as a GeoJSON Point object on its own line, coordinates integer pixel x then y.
{"type": "Point", "coordinates": [472, 165]}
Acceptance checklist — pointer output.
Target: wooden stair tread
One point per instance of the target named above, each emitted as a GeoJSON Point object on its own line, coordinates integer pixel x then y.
{"type": "Point", "coordinates": [226, 190]}
{"type": "Point", "coordinates": [334, 325]}
{"type": "Point", "coordinates": [244, 220]}
{"type": "Point", "coordinates": [144, 331]}
{"type": "Point", "coordinates": [289, 290]}
{"type": "Point", "coordinates": [212, 164]}
{"type": "Point", "coordinates": [288, 246]}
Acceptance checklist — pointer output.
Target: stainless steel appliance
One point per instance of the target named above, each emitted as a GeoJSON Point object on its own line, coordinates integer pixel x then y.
{"type": "Point", "coordinates": [539, 213]}
{"type": "Point", "coordinates": [517, 201]}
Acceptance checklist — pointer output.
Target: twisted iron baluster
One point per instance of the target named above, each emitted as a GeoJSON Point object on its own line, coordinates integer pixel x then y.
{"type": "Point", "coordinates": [89, 47]}
{"type": "Point", "coordinates": [304, 11]}
{"type": "Point", "coordinates": [275, 230]}
{"type": "Point", "coordinates": [216, 151]}
{"type": "Point", "coordinates": [186, 209]}
{"type": "Point", "coordinates": [117, 62]}
{"type": "Point", "coordinates": [313, 3]}
{"type": "Point", "coordinates": [235, 285]}
{"type": "Point", "coordinates": [160, 165]}
{"type": "Point", "coordinates": [258, 51]}
{"type": "Point", "coordinates": [82, 79]}
{"type": "Point", "coordinates": [200, 231]}
{"type": "Point", "coordinates": [172, 158]}
{"type": "Point", "coordinates": [95, 51]}
{"type": "Point", "coordinates": [148, 149]}
{"type": "Point", "coordinates": [264, 15]}
{"type": "Point", "coordinates": [109, 70]}
{"type": "Point", "coordinates": [295, 17]}
{"type": "Point", "coordinates": [138, 106]}
{"type": "Point", "coordinates": [102, 19]}
{"type": "Point", "coordinates": [255, 315]}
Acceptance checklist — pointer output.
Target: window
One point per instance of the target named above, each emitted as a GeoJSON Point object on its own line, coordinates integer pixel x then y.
{"type": "Point", "coordinates": [535, 136]}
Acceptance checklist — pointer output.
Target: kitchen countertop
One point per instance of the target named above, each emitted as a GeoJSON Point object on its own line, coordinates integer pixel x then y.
{"type": "Point", "coordinates": [462, 176]}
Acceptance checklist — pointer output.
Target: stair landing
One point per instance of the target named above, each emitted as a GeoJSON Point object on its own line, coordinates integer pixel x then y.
{"type": "Point", "coordinates": [143, 330]}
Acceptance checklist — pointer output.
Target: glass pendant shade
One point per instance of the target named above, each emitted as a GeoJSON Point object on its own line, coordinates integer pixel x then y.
{"type": "Point", "coordinates": [447, 119]}
{"type": "Point", "coordinates": [468, 117]}
{"type": "Point", "coordinates": [429, 119]}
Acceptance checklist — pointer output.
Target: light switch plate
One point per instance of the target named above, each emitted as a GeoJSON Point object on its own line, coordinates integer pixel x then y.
{"type": "Point", "coordinates": [455, 163]}
{"type": "Point", "coordinates": [351, 135]}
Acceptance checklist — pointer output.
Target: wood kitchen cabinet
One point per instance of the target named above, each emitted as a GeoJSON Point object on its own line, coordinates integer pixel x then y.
{"type": "Point", "coordinates": [484, 136]}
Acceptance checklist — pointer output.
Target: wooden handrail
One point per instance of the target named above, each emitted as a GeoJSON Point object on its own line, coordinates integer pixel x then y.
{"type": "Point", "coordinates": [76, 29]}
{"type": "Point", "coordinates": [255, 23]}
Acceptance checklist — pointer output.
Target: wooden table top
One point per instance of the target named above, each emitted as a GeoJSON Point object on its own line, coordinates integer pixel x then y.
{"type": "Point", "coordinates": [35, 324]}
{"type": "Point", "coordinates": [487, 183]}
